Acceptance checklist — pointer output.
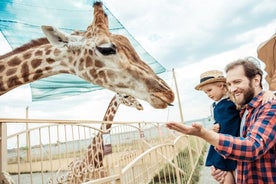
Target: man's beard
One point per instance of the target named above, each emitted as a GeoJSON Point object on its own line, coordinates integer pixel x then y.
{"type": "Point", "coordinates": [248, 94]}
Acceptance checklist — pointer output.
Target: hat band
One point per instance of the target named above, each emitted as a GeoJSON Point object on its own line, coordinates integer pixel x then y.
{"type": "Point", "coordinates": [205, 79]}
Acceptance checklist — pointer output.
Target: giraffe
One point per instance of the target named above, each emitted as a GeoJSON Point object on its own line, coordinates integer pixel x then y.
{"type": "Point", "coordinates": [98, 56]}
{"type": "Point", "coordinates": [82, 170]}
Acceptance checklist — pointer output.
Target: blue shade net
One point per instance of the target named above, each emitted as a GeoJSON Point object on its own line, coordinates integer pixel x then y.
{"type": "Point", "coordinates": [20, 22]}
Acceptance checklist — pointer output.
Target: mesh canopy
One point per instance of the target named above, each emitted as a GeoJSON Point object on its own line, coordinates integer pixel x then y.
{"type": "Point", "coordinates": [20, 22]}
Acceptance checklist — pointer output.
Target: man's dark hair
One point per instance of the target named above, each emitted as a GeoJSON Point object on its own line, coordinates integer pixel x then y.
{"type": "Point", "coordinates": [249, 67]}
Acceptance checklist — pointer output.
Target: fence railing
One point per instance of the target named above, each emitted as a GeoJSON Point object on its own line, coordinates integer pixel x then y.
{"type": "Point", "coordinates": [136, 152]}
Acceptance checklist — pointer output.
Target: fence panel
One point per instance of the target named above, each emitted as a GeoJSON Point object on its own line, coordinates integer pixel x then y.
{"type": "Point", "coordinates": [59, 151]}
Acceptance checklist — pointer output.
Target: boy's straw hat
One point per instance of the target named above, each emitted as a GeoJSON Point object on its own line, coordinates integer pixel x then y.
{"type": "Point", "coordinates": [210, 77]}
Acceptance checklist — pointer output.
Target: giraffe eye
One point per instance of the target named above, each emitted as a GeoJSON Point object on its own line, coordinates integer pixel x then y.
{"type": "Point", "coordinates": [107, 50]}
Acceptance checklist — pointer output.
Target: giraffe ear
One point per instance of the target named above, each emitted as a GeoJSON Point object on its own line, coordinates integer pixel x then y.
{"type": "Point", "coordinates": [61, 39]}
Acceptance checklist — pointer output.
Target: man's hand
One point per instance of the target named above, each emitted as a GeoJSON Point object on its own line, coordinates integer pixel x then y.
{"type": "Point", "coordinates": [195, 129]}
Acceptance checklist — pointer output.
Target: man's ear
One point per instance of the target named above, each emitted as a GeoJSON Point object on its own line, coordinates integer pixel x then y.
{"type": "Point", "coordinates": [257, 80]}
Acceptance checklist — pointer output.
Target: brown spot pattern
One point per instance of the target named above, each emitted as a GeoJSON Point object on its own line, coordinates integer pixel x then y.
{"type": "Point", "coordinates": [25, 72]}
{"type": "Point", "coordinates": [116, 103]}
{"type": "Point", "coordinates": [27, 55]}
{"type": "Point", "coordinates": [2, 86]}
{"type": "Point", "coordinates": [102, 76]}
{"type": "Point", "coordinates": [36, 62]}
{"type": "Point", "coordinates": [2, 68]}
{"type": "Point", "coordinates": [14, 61]}
{"type": "Point", "coordinates": [89, 62]}
{"type": "Point", "coordinates": [11, 71]}
{"type": "Point", "coordinates": [99, 64]}
{"type": "Point", "coordinates": [110, 118]}
{"type": "Point", "coordinates": [38, 74]}
{"type": "Point", "coordinates": [13, 81]}
{"type": "Point", "coordinates": [122, 85]}
{"type": "Point", "coordinates": [48, 68]}
{"type": "Point", "coordinates": [85, 52]}
{"type": "Point", "coordinates": [38, 53]}
{"type": "Point", "coordinates": [63, 71]}
{"type": "Point", "coordinates": [91, 52]}
{"type": "Point", "coordinates": [99, 82]}
{"type": "Point", "coordinates": [50, 60]}
{"type": "Point", "coordinates": [93, 72]}
{"type": "Point", "coordinates": [48, 51]}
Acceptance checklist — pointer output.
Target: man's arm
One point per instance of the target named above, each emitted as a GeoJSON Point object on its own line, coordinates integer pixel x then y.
{"type": "Point", "coordinates": [196, 130]}
{"type": "Point", "coordinates": [208, 135]}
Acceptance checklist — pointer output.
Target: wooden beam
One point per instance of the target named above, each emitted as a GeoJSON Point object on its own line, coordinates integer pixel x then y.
{"type": "Point", "coordinates": [3, 146]}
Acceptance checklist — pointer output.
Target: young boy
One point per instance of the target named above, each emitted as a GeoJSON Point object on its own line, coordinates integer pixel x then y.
{"type": "Point", "coordinates": [226, 115]}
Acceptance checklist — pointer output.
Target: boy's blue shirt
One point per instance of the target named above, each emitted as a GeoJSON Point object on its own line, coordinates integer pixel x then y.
{"type": "Point", "coordinates": [228, 118]}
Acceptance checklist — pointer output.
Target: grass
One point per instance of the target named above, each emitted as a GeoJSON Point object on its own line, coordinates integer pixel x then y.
{"type": "Point", "coordinates": [168, 175]}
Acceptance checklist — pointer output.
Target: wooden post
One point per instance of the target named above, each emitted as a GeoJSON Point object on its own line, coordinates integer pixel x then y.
{"type": "Point", "coordinates": [27, 135]}
{"type": "Point", "coordinates": [178, 98]}
{"type": "Point", "coordinates": [3, 146]}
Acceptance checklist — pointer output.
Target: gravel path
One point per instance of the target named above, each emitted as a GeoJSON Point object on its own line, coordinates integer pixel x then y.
{"type": "Point", "coordinates": [205, 174]}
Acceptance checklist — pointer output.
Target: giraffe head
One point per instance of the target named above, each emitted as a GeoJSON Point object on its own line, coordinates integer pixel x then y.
{"type": "Point", "coordinates": [129, 101]}
{"type": "Point", "coordinates": [110, 61]}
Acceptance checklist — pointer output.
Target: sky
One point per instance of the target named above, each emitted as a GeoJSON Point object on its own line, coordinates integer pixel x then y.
{"type": "Point", "coordinates": [189, 36]}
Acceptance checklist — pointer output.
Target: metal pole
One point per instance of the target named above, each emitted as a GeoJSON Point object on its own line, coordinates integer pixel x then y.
{"type": "Point", "coordinates": [178, 98]}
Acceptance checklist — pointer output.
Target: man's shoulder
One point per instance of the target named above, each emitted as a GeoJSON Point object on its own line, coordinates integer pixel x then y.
{"type": "Point", "coordinates": [271, 104]}
{"type": "Point", "coordinates": [268, 106]}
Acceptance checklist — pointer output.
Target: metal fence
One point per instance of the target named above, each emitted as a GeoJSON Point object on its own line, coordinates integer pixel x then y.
{"type": "Point", "coordinates": [135, 152]}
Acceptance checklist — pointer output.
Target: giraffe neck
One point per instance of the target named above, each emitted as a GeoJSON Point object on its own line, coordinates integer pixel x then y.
{"type": "Point", "coordinates": [33, 61]}
{"type": "Point", "coordinates": [96, 146]}
{"type": "Point", "coordinates": [111, 109]}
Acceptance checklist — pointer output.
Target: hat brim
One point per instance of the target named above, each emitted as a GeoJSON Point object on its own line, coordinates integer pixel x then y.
{"type": "Point", "coordinates": [199, 86]}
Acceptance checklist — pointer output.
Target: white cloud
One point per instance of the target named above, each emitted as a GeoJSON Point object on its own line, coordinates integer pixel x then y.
{"type": "Point", "coordinates": [188, 31]}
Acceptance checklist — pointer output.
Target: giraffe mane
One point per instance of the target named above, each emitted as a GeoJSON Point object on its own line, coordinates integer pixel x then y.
{"type": "Point", "coordinates": [33, 43]}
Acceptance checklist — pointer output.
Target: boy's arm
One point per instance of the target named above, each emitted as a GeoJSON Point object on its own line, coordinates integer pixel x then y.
{"type": "Point", "coordinates": [268, 96]}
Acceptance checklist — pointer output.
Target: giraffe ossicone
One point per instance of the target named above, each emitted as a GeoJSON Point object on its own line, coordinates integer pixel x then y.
{"type": "Point", "coordinates": [96, 55]}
